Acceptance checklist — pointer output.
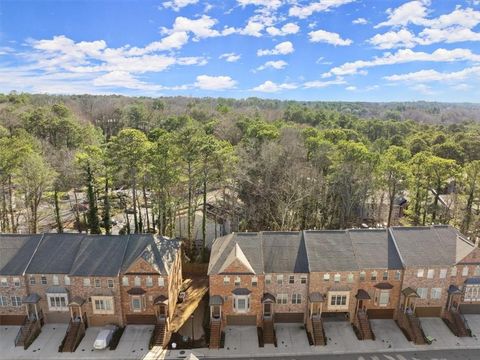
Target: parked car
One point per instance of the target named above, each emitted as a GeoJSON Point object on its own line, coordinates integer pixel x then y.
{"type": "Point", "coordinates": [104, 337]}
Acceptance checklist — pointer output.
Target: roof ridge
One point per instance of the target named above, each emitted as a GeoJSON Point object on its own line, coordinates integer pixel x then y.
{"type": "Point", "coordinates": [33, 254]}
{"type": "Point", "coordinates": [355, 255]}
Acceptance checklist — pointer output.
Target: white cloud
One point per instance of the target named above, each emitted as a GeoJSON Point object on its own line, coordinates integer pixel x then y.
{"type": "Point", "coordinates": [278, 65]}
{"type": "Point", "coordinates": [317, 6]}
{"type": "Point", "coordinates": [412, 12]}
{"type": "Point", "coordinates": [123, 79]}
{"type": "Point", "coordinates": [287, 29]}
{"type": "Point", "coordinates": [322, 84]}
{"type": "Point", "coordinates": [230, 57]}
{"type": "Point", "coordinates": [393, 39]}
{"type": "Point", "coordinates": [360, 21]}
{"type": "Point", "coordinates": [328, 37]}
{"type": "Point", "coordinates": [283, 48]}
{"type": "Point", "coordinates": [206, 82]}
{"type": "Point", "coordinates": [202, 27]}
{"type": "Point", "coordinates": [462, 87]}
{"type": "Point", "coordinates": [272, 4]}
{"type": "Point", "coordinates": [176, 5]}
{"type": "Point", "coordinates": [253, 28]}
{"type": "Point", "coordinates": [351, 88]}
{"type": "Point", "coordinates": [271, 87]}
{"type": "Point", "coordinates": [434, 75]}
{"type": "Point", "coordinates": [404, 56]}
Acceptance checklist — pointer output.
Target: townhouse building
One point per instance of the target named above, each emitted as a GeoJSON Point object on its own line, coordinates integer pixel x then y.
{"type": "Point", "coordinates": [353, 275]}
{"type": "Point", "coordinates": [87, 280]}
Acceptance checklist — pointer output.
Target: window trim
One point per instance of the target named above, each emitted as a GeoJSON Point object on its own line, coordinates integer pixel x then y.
{"type": "Point", "coordinates": [236, 299]}
{"type": "Point", "coordinates": [341, 295]}
{"type": "Point", "coordinates": [57, 306]}
{"type": "Point", "coordinates": [104, 300]}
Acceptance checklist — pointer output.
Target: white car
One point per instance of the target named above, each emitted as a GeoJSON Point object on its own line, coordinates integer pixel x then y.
{"type": "Point", "coordinates": [104, 337]}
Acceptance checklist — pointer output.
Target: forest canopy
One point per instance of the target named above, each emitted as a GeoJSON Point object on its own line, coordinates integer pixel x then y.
{"type": "Point", "coordinates": [292, 165]}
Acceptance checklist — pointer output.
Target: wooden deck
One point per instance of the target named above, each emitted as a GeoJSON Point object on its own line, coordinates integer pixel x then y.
{"type": "Point", "coordinates": [194, 294]}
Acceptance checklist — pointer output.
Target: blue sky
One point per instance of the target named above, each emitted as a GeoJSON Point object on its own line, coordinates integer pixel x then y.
{"type": "Point", "coordinates": [287, 49]}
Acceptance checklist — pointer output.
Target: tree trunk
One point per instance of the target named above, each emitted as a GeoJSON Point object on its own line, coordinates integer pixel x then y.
{"type": "Point", "coordinates": [204, 219]}
{"type": "Point", "coordinates": [10, 205]}
{"type": "Point", "coordinates": [189, 210]}
{"type": "Point", "coordinates": [134, 198]}
{"type": "Point", "coordinates": [145, 203]}
{"type": "Point", "coordinates": [106, 209]}
{"type": "Point", "coordinates": [390, 205]}
{"type": "Point", "coordinates": [77, 213]}
{"type": "Point", "coordinates": [58, 218]}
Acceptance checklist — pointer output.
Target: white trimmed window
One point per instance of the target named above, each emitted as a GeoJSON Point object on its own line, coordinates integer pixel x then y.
{"type": "Point", "coordinates": [420, 272]}
{"type": "Point", "coordinates": [3, 282]}
{"type": "Point", "coordinates": [102, 304]}
{"type": "Point", "coordinates": [472, 293]}
{"type": "Point", "coordinates": [268, 279]}
{"type": "Point", "coordinates": [296, 298]}
{"type": "Point", "coordinates": [476, 271]}
{"type": "Point", "coordinates": [226, 280]}
{"type": "Point", "coordinates": [436, 293]}
{"type": "Point", "coordinates": [66, 280]}
{"type": "Point", "coordinates": [16, 282]}
{"type": "Point", "coordinates": [16, 301]}
{"type": "Point", "coordinates": [125, 281]}
{"type": "Point", "coordinates": [98, 283]}
{"type": "Point", "coordinates": [338, 300]}
{"type": "Point", "coordinates": [453, 272]}
{"type": "Point", "coordinates": [398, 275]}
{"type": "Point", "coordinates": [373, 276]}
{"type": "Point", "coordinates": [161, 281]}
{"type": "Point", "coordinates": [136, 303]}
{"type": "Point", "coordinates": [385, 275]}
{"type": "Point", "coordinates": [241, 303]}
{"type": "Point", "coordinates": [86, 282]}
{"type": "Point", "coordinates": [55, 280]}
{"type": "Point", "coordinates": [282, 299]}
{"type": "Point", "coordinates": [254, 281]}
{"type": "Point", "coordinates": [43, 280]}
{"type": "Point", "coordinates": [3, 301]}
{"type": "Point", "coordinates": [291, 279]}
{"type": "Point", "coordinates": [137, 281]}
{"type": "Point", "coordinates": [384, 297]}
{"type": "Point", "coordinates": [57, 302]}
{"type": "Point", "coordinates": [350, 278]}
{"type": "Point", "coordinates": [337, 277]}
{"type": "Point", "coordinates": [110, 283]}
{"type": "Point", "coordinates": [279, 279]}
{"type": "Point", "coordinates": [237, 281]}
{"type": "Point", "coordinates": [303, 279]}
{"type": "Point", "coordinates": [363, 275]}
{"type": "Point", "coordinates": [32, 280]}
{"type": "Point", "coordinates": [465, 271]}
{"type": "Point", "coordinates": [326, 277]}
{"type": "Point", "coordinates": [430, 273]}
{"type": "Point", "coordinates": [149, 281]}
{"type": "Point", "coordinates": [422, 293]}
{"type": "Point", "coordinates": [443, 273]}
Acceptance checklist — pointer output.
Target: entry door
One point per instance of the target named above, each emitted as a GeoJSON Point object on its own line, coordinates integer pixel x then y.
{"type": "Point", "coordinates": [216, 312]}
{"type": "Point", "coordinates": [267, 309]}
{"type": "Point", "coordinates": [162, 311]}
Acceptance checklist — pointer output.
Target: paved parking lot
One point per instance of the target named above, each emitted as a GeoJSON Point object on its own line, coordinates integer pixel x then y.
{"type": "Point", "coordinates": [291, 337]}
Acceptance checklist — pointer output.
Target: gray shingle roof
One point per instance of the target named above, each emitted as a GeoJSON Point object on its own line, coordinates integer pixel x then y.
{"type": "Point", "coordinates": [430, 246]}
{"type": "Point", "coordinates": [374, 249]}
{"type": "Point", "coordinates": [16, 251]}
{"type": "Point", "coordinates": [330, 250]}
{"type": "Point", "coordinates": [99, 255]}
{"type": "Point", "coordinates": [284, 252]}
{"type": "Point", "coordinates": [55, 254]}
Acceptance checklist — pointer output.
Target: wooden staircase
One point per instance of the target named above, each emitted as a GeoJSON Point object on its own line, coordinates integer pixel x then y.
{"type": "Point", "coordinates": [363, 325]}
{"type": "Point", "coordinates": [160, 334]}
{"type": "Point", "coordinates": [318, 332]}
{"type": "Point", "coordinates": [30, 329]}
{"type": "Point", "coordinates": [73, 336]}
{"type": "Point", "coordinates": [418, 336]}
{"type": "Point", "coordinates": [268, 331]}
{"type": "Point", "coordinates": [457, 323]}
{"type": "Point", "coordinates": [215, 333]}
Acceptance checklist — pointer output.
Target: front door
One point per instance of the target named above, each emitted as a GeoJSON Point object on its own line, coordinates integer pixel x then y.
{"type": "Point", "coordinates": [216, 312]}
{"type": "Point", "coordinates": [267, 309]}
{"type": "Point", "coordinates": [162, 311]}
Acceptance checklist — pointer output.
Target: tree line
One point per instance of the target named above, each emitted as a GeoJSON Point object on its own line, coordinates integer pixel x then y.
{"type": "Point", "coordinates": [300, 167]}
